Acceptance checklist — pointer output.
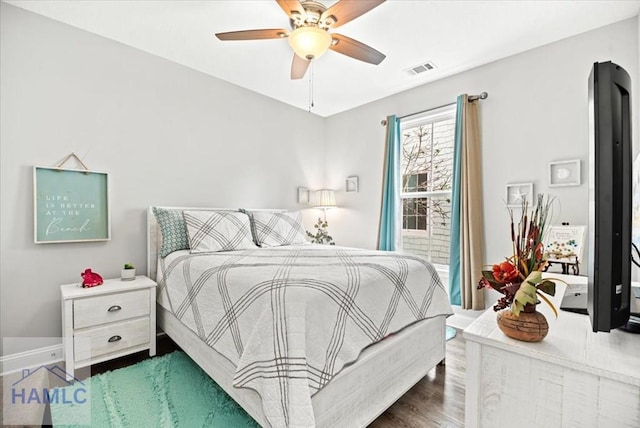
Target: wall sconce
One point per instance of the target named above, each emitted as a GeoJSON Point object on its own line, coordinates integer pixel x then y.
{"type": "Point", "coordinates": [326, 200]}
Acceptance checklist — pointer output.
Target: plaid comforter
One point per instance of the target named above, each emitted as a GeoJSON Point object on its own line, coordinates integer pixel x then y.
{"type": "Point", "coordinates": [291, 317]}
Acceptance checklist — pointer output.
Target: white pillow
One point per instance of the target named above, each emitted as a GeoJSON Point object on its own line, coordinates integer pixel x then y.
{"type": "Point", "coordinates": [273, 229]}
{"type": "Point", "coordinates": [212, 231]}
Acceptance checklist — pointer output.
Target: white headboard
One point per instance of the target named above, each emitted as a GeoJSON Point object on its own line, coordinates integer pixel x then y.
{"type": "Point", "coordinates": [154, 237]}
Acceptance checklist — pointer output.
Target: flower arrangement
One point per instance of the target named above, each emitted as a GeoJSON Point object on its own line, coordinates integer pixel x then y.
{"type": "Point", "coordinates": [519, 277]}
{"type": "Point", "coordinates": [322, 234]}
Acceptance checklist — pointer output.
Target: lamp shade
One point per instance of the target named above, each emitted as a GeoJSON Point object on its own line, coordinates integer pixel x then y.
{"type": "Point", "coordinates": [309, 42]}
{"type": "Point", "coordinates": [327, 198]}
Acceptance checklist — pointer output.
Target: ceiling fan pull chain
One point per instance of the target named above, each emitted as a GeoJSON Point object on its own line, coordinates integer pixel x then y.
{"type": "Point", "coordinates": [309, 92]}
{"type": "Point", "coordinates": [311, 88]}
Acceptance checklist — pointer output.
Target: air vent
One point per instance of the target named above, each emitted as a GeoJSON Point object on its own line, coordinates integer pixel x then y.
{"type": "Point", "coordinates": [421, 68]}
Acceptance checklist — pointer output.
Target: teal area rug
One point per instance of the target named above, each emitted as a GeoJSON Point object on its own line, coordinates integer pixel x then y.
{"type": "Point", "coordinates": [451, 333]}
{"type": "Point", "coordinates": [167, 391]}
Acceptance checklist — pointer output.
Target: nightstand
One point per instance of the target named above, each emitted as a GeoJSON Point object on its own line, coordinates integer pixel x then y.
{"type": "Point", "coordinates": [108, 321]}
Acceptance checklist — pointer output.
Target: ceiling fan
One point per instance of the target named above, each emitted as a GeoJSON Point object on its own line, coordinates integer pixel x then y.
{"type": "Point", "coordinates": [309, 36]}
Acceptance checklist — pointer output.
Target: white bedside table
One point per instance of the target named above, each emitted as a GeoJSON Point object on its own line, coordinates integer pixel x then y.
{"type": "Point", "coordinates": [108, 321]}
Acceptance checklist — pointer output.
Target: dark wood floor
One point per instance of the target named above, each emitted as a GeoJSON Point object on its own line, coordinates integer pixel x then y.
{"type": "Point", "coordinates": [436, 401]}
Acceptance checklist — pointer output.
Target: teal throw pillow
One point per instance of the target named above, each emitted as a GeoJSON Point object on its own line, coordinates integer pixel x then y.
{"type": "Point", "coordinates": [174, 230]}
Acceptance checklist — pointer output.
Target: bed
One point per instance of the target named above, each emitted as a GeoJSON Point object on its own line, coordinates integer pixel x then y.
{"type": "Point", "coordinates": [371, 358]}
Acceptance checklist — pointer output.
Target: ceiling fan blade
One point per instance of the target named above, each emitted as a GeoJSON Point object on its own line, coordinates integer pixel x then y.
{"type": "Point", "coordinates": [275, 33]}
{"type": "Point", "coordinates": [355, 49]}
{"type": "Point", "coordinates": [290, 6]}
{"type": "Point", "coordinates": [298, 67]}
{"type": "Point", "coordinates": [348, 10]}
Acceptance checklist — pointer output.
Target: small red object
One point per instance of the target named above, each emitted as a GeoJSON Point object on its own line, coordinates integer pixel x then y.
{"type": "Point", "coordinates": [90, 279]}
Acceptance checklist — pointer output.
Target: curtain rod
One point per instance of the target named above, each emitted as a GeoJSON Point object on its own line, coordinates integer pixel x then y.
{"type": "Point", "coordinates": [481, 96]}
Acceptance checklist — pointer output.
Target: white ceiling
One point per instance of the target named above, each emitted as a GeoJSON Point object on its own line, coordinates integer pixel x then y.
{"type": "Point", "coordinates": [454, 35]}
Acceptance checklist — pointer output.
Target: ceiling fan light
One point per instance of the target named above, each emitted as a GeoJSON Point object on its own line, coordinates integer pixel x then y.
{"type": "Point", "coordinates": [309, 42]}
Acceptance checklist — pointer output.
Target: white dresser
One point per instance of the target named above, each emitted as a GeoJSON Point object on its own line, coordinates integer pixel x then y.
{"type": "Point", "coordinates": [108, 321]}
{"type": "Point", "coordinates": [573, 378]}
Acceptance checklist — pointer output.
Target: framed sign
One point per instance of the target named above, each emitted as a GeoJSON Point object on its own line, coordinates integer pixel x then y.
{"type": "Point", "coordinates": [70, 205]}
{"type": "Point", "coordinates": [564, 243]}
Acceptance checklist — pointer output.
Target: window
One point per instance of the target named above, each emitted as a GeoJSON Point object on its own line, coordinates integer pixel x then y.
{"type": "Point", "coordinates": [427, 174]}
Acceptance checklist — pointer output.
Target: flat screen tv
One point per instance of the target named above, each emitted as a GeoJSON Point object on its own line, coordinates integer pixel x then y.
{"type": "Point", "coordinates": [610, 197]}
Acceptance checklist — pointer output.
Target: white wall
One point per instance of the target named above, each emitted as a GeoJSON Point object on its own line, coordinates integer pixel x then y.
{"type": "Point", "coordinates": [536, 113]}
{"type": "Point", "coordinates": [190, 139]}
{"type": "Point", "coordinates": [166, 134]}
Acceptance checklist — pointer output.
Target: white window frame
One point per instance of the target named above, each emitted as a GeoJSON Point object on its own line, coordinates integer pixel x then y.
{"type": "Point", "coordinates": [426, 118]}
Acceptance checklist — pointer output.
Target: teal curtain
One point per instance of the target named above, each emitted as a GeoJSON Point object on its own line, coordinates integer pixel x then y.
{"type": "Point", "coordinates": [454, 245]}
{"type": "Point", "coordinates": [390, 213]}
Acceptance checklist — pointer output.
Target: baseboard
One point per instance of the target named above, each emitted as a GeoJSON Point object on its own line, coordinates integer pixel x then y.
{"type": "Point", "coordinates": [461, 318]}
{"type": "Point", "coordinates": [34, 358]}
{"type": "Point", "coordinates": [469, 313]}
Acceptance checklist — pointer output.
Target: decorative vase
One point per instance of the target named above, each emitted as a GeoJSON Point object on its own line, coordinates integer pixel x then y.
{"type": "Point", "coordinates": [530, 326]}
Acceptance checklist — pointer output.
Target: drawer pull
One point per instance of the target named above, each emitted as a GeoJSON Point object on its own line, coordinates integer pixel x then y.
{"type": "Point", "coordinates": [114, 338]}
{"type": "Point", "coordinates": [114, 308]}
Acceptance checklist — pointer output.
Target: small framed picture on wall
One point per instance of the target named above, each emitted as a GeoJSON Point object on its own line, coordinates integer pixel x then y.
{"type": "Point", "coordinates": [517, 193]}
{"type": "Point", "coordinates": [564, 173]}
{"type": "Point", "coordinates": [352, 184]}
{"type": "Point", "coordinates": [303, 195]}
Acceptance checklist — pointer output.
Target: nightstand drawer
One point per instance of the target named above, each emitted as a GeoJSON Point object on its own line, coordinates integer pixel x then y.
{"type": "Point", "coordinates": [96, 342]}
{"type": "Point", "coordinates": [110, 308]}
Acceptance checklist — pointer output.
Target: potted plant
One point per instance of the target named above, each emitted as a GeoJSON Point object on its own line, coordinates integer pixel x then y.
{"type": "Point", "coordinates": [322, 234]}
{"type": "Point", "coordinates": [128, 272]}
{"type": "Point", "coordinates": [519, 277]}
